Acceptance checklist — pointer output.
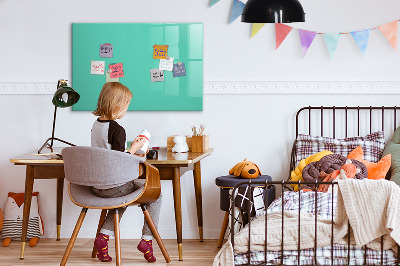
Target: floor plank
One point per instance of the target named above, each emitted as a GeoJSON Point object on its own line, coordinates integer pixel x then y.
{"type": "Point", "coordinates": [50, 252]}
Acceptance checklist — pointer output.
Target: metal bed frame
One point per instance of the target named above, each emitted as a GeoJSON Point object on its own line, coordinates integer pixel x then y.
{"type": "Point", "coordinates": [283, 184]}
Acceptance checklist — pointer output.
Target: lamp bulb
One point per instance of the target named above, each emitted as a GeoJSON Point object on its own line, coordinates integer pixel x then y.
{"type": "Point", "coordinates": [64, 97]}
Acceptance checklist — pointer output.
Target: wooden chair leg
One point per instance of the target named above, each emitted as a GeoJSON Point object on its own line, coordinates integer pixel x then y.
{"type": "Point", "coordinates": [73, 237]}
{"type": "Point", "coordinates": [117, 238]}
{"type": "Point", "coordinates": [101, 222]}
{"type": "Point", "coordinates": [154, 230]}
{"type": "Point", "coordinates": [223, 229]}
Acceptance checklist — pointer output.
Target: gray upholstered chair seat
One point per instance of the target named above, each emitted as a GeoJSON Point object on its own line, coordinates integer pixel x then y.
{"type": "Point", "coordinates": [83, 195]}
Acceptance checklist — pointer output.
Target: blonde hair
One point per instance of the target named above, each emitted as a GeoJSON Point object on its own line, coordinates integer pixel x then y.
{"type": "Point", "coordinates": [113, 98]}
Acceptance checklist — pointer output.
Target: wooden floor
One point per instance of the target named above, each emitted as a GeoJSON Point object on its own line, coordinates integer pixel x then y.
{"type": "Point", "coordinates": [50, 252]}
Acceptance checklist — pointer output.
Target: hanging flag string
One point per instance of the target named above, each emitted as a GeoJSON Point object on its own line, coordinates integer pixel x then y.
{"type": "Point", "coordinates": [376, 28]}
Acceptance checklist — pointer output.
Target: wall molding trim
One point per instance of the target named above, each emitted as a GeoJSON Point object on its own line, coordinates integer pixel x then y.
{"type": "Point", "coordinates": [246, 87]}
{"type": "Point", "coordinates": [302, 87]}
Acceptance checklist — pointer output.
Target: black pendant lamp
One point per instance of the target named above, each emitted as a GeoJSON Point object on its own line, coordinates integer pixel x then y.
{"type": "Point", "coordinates": [273, 11]}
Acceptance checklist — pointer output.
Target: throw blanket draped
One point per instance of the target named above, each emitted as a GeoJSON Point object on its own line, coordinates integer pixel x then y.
{"type": "Point", "coordinates": [371, 206]}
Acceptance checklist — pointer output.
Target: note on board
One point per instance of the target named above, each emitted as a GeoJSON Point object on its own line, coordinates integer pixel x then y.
{"type": "Point", "coordinates": [106, 50]}
{"type": "Point", "coordinates": [110, 79]}
{"type": "Point", "coordinates": [97, 67]}
{"type": "Point", "coordinates": [117, 70]}
{"type": "Point", "coordinates": [167, 64]}
{"type": "Point", "coordinates": [160, 51]}
{"type": "Point", "coordinates": [179, 70]}
{"type": "Point", "coordinates": [156, 75]}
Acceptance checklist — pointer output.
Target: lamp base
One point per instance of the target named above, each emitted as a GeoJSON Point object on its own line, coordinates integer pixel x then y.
{"type": "Point", "coordinates": [50, 146]}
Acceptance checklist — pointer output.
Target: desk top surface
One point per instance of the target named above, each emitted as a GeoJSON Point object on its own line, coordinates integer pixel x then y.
{"type": "Point", "coordinates": [164, 157]}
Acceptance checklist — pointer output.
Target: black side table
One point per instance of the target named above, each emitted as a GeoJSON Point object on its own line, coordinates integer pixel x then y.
{"type": "Point", "coordinates": [226, 183]}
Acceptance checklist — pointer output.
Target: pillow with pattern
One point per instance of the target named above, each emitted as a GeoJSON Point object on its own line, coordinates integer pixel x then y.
{"type": "Point", "coordinates": [372, 145]}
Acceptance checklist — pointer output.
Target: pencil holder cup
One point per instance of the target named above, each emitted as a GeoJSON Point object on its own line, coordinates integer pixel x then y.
{"type": "Point", "coordinates": [200, 143]}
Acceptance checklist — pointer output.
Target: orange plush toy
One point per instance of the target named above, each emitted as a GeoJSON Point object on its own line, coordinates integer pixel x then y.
{"type": "Point", "coordinates": [245, 169]}
{"type": "Point", "coordinates": [375, 170]}
{"type": "Point", "coordinates": [13, 215]}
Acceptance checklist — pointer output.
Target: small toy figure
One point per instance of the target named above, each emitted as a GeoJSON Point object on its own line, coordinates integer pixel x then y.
{"type": "Point", "coordinates": [180, 144]}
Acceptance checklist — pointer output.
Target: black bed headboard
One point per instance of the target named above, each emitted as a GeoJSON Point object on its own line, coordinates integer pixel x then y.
{"type": "Point", "coordinates": [347, 111]}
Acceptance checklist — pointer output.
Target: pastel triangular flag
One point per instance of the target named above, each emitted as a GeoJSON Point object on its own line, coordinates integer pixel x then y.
{"type": "Point", "coordinates": [237, 9]}
{"type": "Point", "coordinates": [213, 2]}
{"type": "Point", "coordinates": [281, 31]}
{"type": "Point", "coordinates": [332, 41]}
{"type": "Point", "coordinates": [256, 28]}
{"type": "Point", "coordinates": [389, 30]}
{"type": "Point", "coordinates": [306, 39]}
{"type": "Point", "coordinates": [361, 37]}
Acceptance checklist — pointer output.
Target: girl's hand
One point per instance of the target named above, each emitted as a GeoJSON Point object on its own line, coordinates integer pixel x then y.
{"type": "Point", "coordinates": [142, 155]}
{"type": "Point", "coordinates": [137, 144]}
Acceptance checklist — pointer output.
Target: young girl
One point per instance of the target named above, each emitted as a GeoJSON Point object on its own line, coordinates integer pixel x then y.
{"type": "Point", "coordinates": [113, 103]}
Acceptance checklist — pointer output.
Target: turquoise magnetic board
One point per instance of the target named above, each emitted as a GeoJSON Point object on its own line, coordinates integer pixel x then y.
{"type": "Point", "coordinates": [132, 45]}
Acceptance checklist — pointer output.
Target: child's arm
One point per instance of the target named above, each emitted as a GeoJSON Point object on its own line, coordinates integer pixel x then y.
{"type": "Point", "coordinates": [136, 145]}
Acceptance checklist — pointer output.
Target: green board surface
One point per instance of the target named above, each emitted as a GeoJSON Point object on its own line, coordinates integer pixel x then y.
{"type": "Point", "coordinates": [133, 47]}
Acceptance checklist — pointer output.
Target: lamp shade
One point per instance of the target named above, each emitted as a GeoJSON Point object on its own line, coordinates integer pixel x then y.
{"type": "Point", "coordinates": [273, 11]}
{"type": "Point", "coordinates": [65, 96]}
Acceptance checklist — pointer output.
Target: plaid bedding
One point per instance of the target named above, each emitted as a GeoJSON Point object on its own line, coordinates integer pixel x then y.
{"type": "Point", "coordinates": [372, 145]}
{"type": "Point", "coordinates": [323, 207]}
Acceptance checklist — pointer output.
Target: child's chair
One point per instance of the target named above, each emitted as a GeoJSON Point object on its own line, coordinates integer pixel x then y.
{"type": "Point", "coordinates": [85, 167]}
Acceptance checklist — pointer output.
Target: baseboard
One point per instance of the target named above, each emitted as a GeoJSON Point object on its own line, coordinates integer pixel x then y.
{"type": "Point", "coordinates": [245, 87]}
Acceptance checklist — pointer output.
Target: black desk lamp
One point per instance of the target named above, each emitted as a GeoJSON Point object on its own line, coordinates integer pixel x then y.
{"type": "Point", "coordinates": [63, 97]}
{"type": "Point", "coordinates": [273, 11]}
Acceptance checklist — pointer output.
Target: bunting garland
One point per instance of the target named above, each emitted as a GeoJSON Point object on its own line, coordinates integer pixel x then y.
{"type": "Point", "coordinates": [389, 30]}
{"type": "Point", "coordinates": [256, 27]}
{"type": "Point", "coordinates": [213, 2]}
{"type": "Point", "coordinates": [361, 37]}
{"type": "Point", "coordinates": [281, 31]}
{"type": "Point", "coordinates": [332, 41]}
{"type": "Point", "coordinates": [237, 9]}
{"type": "Point", "coordinates": [306, 39]}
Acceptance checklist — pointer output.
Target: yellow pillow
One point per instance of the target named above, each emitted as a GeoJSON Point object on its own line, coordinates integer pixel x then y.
{"type": "Point", "coordinates": [296, 174]}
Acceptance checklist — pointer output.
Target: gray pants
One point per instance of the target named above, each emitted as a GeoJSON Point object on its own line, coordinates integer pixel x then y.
{"type": "Point", "coordinates": [154, 208]}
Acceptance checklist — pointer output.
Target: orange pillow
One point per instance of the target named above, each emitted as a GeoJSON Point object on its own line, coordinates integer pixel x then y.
{"type": "Point", "coordinates": [375, 170]}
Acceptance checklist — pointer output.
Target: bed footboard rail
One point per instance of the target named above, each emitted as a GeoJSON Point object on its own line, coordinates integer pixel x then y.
{"type": "Point", "coordinates": [281, 259]}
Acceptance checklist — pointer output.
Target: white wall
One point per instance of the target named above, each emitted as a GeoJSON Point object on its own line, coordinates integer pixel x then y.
{"type": "Point", "coordinates": [35, 42]}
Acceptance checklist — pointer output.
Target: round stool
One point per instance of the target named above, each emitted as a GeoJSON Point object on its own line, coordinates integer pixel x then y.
{"type": "Point", "coordinates": [228, 182]}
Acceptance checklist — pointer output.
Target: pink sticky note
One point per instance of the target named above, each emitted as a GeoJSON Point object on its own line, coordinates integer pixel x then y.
{"type": "Point", "coordinates": [117, 70]}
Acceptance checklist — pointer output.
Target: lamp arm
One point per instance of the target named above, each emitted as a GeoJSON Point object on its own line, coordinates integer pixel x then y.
{"type": "Point", "coordinates": [54, 126]}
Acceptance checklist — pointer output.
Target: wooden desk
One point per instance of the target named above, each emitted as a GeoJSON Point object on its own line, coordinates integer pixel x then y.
{"type": "Point", "coordinates": [171, 167]}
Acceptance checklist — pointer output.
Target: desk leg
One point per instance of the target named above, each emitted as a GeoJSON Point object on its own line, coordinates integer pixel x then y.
{"type": "Point", "coordinates": [27, 206]}
{"type": "Point", "coordinates": [60, 190]}
{"type": "Point", "coordinates": [176, 182]}
{"type": "Point", "coordinates": [199, 204]}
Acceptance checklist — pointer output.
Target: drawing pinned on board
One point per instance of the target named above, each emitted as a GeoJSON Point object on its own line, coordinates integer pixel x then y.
{"type": "Point", "coordinates": [167, 64]}
{"type": "Point", "coordinates": [179, 70]}
{"type": "Point", "coordinates": [160, 51]}
{"type": "Point", "coordinates": [156, 75]}
{"type": "Point", "coordinates": [97, 67]}
{"type": "Point", "coordinates": [106, 50]}
{"type": "Point", "coordinates": [117, 70]}
{"type": "Point", "coordinates": [110, 79]}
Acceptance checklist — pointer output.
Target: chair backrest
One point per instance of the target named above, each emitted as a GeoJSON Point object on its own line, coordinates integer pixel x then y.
{"type": "Point", "coordinates": [92, 166]}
